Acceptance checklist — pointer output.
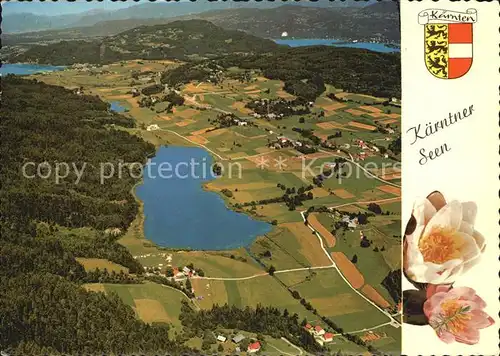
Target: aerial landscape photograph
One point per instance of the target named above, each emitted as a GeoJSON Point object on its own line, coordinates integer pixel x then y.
{"type": "Point", "coordinates": [200, 178]}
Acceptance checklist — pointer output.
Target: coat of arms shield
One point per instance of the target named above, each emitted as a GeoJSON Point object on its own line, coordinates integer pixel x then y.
{"type": "Point", "coordinates": [448, 39]}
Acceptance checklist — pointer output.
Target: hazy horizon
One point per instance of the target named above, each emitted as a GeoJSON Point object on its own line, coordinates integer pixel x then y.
{"type": "Point", "coordinates": [63, 8]}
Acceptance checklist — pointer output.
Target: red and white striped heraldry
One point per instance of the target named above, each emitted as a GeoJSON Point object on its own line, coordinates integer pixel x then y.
{"type": "Point", "coordinates": [448, 41]}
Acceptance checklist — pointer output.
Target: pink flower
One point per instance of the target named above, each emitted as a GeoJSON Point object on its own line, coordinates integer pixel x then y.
{"type": "Point", "coordinates": [456, 314]}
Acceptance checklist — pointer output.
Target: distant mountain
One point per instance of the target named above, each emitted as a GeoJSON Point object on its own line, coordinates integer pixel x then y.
{"type": "Point", "coordinates": [16, 22]}
{"type": "Point", "coordinates": [379, 22]}
{"type": "Point", "coordinates": [29, 22]}
{"type": "Point", "coordinates": [191, 39]}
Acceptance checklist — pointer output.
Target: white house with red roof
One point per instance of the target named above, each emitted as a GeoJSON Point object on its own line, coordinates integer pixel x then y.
{"type": "Point", "coordinates": [327, 337]}
{"type": "Point", "coordinates": [318, 330]}
{"type": "Point", "coordinates": [253, 347]}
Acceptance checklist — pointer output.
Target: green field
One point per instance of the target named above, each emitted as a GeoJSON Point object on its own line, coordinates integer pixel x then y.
{"type": "Point", "coordinates": [152, 302]}
{"type": "Point", "coordinates": [374, 265]}
{"type": "Point", "coordinates": [332, 297]}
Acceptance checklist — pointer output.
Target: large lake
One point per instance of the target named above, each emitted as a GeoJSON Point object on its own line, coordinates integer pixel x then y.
{"type": "Point", "coordinates": [180, 214]}
{"type": "Point", "coordinates": [26, 69]}
{"type": "Point", "coordinates": [377, 47]}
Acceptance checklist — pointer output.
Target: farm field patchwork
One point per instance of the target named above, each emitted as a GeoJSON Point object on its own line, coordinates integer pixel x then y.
{"type": "Point", "coordinates": [240, 280]}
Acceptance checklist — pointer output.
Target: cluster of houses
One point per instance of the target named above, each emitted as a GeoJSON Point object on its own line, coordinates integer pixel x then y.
{"type": "Point", "coordinates": [283, 142]}
{"type": "Point", "coordinates": [366, 150]}
{"type": "Point", "coordinates": [351, 223]}
{"type": "Point", "coordinates": [83, 67]}
{"type": "Point", "coordinates": [270, 116]}
{"type": "Point", "coordinates": [240, 122]}
{"type": "Point", "coordinates": [320, 335]}
{"type": "Point", "coordinates": [252, 347]}
{"type": "Point", "coordinates": [185, 272]}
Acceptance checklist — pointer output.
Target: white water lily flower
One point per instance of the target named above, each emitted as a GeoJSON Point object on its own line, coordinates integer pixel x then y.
{"type": "Point", "coordinates": [443, 244]}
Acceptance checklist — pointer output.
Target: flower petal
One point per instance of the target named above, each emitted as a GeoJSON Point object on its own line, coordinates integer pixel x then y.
{"type": "Point", "coordinates": [432, 305]}
{"type": "Point", "coordinates": [446, 336]}
{"type": "Point", "coordinates": [469, 249]}
{"type": "Point", "coordinates": [423, 211]}
{"type": "Point", "coordinates": [449, 216]}
{"type": "Point", "coordinates": [469, 212]}
{"type": "Point", "coordinates": [436, 288]}
{"type": "Point", "coordinates": [471, 263]}
{"type": "Point", "coordinates": [479, 302]}
{"type": "Point", "coordinates": [428, 272]}
{"type": "Point", "coordinates": [466, 228]}
{"type": "Point", "coordinates": [465, 293]}
{"type": "Point", "coordinates": [480, 240]}
{"type": "Point", "coordinates": [437, 200]}
{"type": "Point", "coordinates": [469, 336]}
{"type": "Point", "coordinates": [480, 319]}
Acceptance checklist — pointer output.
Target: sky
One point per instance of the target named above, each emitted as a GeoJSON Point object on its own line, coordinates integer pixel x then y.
{"type": "Point", "coordinates": [63, 7]}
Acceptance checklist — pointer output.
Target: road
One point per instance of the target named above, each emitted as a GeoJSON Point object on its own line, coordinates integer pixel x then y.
{"type": "Point", "coordinates": [393, 321]}
{"type": "Point", "coordinates": [261, 274]}
{"type": "Point", "coordinates": [362, 168]}
{"type": "Point", "coordinates": [366, 329]}
{"type": "Point", "coordinates": [261, 154]}
{"type": "Point", "coordinates": [195, 143]}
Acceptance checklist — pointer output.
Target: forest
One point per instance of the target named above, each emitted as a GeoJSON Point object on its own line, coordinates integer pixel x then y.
{"type": "Point", "coordinates": [46, 125]}
{"type": "Point", "coordinates": [306, 70]}
{"type": "Point", "coordinates": [351, 69]}
{"type": "Point", "coordinates": [177, 40]}
{"type": "Point", "coordinates": [43, 308]}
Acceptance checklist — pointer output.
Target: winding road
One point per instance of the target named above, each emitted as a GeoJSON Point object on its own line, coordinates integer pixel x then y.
{"type": "Point", "coordinates": [393, 321]}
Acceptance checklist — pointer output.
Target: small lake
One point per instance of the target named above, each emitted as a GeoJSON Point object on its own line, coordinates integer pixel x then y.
{"type": "Point", "coordinates": [116, 106]}
{"type": "Point", "coordinates": [26, 69]}
{"type": "Point", "coordinates": [180, 214]}
{"type": "Point", "coordinates": [377, 47]}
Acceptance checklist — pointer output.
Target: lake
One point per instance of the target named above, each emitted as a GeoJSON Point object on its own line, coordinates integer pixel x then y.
{"type": "Point", "coordinates": [117, 106]}
{"type": "Point", "coordinates": [377, 47]}
{"type": "Point", "coordinates": [180, 214]}
{"type": "Point", "coordinates": [26, 69]}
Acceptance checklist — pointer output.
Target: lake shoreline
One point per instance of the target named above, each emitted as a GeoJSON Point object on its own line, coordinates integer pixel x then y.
{"type": "Point", "coordinates": [216, 221]}
{"type": "Point", "coordinates": [380, 47]}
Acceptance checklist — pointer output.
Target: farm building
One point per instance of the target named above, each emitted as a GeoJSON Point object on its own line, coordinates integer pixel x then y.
{"type": "Point", "coordinates": [153, 127]}
{"type": "Point", "coordinates": [253, 347]}
{"type": "Point", "coordinates": [318, 330]}
{"type": "Point", "coordinates": [221, 338]}
{"type": "Point", "coordinates": [328, 337]}
{"type": "Point", "coordinates": [238, 338]}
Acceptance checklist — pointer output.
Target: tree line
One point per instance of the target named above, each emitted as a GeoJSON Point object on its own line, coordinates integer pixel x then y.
{"type": "Point", "coordinates": [43, 308]}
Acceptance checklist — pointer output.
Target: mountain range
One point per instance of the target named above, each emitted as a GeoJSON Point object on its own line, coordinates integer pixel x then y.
{"type": "Point", "coordinates": [183, 40]}
{"type": "Point", "coordinates": [16, 22]}
{"type": "Point", "coordinates": [377, 22]}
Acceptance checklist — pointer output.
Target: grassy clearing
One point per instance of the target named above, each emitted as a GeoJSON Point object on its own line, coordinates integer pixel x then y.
{"type": "Point", "coordinates": [291, 245]}
{"type": "Point", "coordinates": [91, 264]}
{"type": "Point", "coordinates": [152, 302]}
{"type": "Point", "coordinates": [332, 297]}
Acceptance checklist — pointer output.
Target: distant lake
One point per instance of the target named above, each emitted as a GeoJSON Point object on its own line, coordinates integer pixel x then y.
{"type": "Point", "coordinates": [117, 107]}
{"type": "Point", "coordinates": [180, 214]}
{"type": "Point", "coordinates": [377, 47]}
{"type": "Point", "coordinates": [26, 69]}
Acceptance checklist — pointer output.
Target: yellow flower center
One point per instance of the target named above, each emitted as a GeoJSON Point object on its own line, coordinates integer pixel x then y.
{"type": "Point", "coordinates": [441, 244]}
{"type": "Point", "coordinates": [456, 316]}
